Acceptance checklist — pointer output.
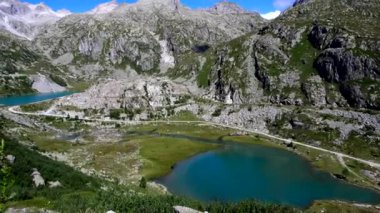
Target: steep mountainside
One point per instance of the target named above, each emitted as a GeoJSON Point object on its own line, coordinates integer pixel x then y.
{"type": "Point", "coordinates": [303, 57]}
{"type": "Point", "coordinates": [139, 35]}
{"type": "Point", "coordinates": [146, 37]}
{"type": "Point", "coordinates": [24, 19]}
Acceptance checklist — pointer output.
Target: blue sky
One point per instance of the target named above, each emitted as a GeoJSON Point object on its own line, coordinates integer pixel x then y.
{"type": "Point", "coordinates": [262, 6]}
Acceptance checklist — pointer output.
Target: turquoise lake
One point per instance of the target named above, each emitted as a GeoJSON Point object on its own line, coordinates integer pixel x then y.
{"type": "Point", "coordinates": [32, 98]}
{"type": "Point", "coordinates": [240, 172]}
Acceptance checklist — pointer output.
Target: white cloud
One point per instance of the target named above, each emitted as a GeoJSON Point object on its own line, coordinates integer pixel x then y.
{"type": "Point", "coordinates": [282, 4]}
{"type": "Point", "coordinates": [271, 15]}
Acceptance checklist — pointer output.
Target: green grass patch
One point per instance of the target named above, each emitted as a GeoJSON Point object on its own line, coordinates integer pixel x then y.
{"type": "Point", "coordinates": [362, 147]}
{"type": "Point", "coordinates": [79, 85]}
{"type": "Point", "coordinates": [184, 116]}
{"type": "Point", "coordinates": [42, 106]}
{"type": "Point", "coordinates": [160, 154]}
{"type": "Point", "coordinates": [50, 144]}
{"type": "Point", "coordinates": [303, 56]}
{"type": "Point", "coordinates": [15, 86]}
{"type": "Point", "coordinates": [38, 202]}
{"type": "Point", "coordinates": [203, 78]}
{"type": "Point", "coordinates": [253, 139]}
{"type": "Point", "coordinates": [188, 129]}
{"type": "Point", "coordinates": [334, 206]}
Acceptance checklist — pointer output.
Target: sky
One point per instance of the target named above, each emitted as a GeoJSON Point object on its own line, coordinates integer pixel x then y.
{"type": "Point", "coordinates": [268, 8]}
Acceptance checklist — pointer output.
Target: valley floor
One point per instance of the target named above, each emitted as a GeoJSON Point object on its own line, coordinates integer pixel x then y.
{"type": "Point", "coordinates": [188, 120]}
{"type": "Point", "coordinates": [125, 151]}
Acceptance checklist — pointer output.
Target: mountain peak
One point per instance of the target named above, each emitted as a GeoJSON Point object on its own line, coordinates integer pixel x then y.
{"type": "Point", "coordinates": [172, 4]}
{"type": "Point", "coordinates": [20, 18]}
{"type": "Point", "coordinates": [105, 7]}
{"type": "Point", "coordinates": [298, 2]}
{"type": "Point", "coordinates": [226, 7]}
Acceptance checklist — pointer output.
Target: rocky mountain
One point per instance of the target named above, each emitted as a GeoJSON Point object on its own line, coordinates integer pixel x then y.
{"type": "Point", "coordinates": [227, 8]}
{"type": "Point", "coordinates": [144, 37]}
{"type": "Point", "coordinates": [23, 19]}
{"type": "Point", "coordinates": [234, 56]}
{"type": "Point", "coordinates": [104, 8]}
{"type": "Point", "coordinates": [304, 57]}
{"type": "Point", "coordinates": [139, 35]}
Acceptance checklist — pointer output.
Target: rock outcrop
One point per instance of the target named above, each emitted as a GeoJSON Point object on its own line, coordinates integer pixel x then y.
{"type": "Point", "coordinates": [183, 209]}
{"type": "Point", "coordinates": [338, 65]}
{"type": "Point", "coordinates": [135, 93]}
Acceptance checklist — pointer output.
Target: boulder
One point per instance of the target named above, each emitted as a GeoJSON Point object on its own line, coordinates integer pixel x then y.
{"type": "Point", "coordinates": [54, 184]}
{"type": "Point", "coordinates": [11, 159]}
{"type": "Point", "coordinates": [38, 180]}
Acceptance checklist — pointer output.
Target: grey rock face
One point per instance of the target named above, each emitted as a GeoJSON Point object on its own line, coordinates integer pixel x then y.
{"type": "Point", "coordinates": [315, 91]}
{"type": "Point", "coordinates": [354, 96]}
{"type": "Point", "coordinates": [132, 34]}
{"type": "Point", "coordinates": [134, 93]}
{"type": "Point", "coordinates": [255, 118]}
{"type": "Point", "coordinates": [338, 65]}
{"type": "Point", "coordinates": [318, 36]}
{"type": "Point", "coordinates": [299, 2]}
{"type": "Point", "coordinates": [323, 37]}
{"type": "Point", "coordinates": [93, 41]}
{"type": "Point", "coordinates": [357, 76]}
{"type": "Point", "coordinates": [226, 8]}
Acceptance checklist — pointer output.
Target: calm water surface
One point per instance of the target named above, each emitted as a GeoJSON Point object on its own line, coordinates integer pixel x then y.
{"type": "Point", "coordinates": [32, 98]}
{"type": "Point", "coordinates": [240, 172]}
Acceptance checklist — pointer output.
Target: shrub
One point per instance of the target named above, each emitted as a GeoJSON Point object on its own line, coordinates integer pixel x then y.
{"type": "Point", "coordinates": [4, 177]}
{"type": "Point", "coordinates": [60, 81]}
{"type": "Point", "coordinates": [114, 113]}
{"type": "Point", "coordinates": [217, 113]}
{"type": "Point", "coordinates": [143, 183]}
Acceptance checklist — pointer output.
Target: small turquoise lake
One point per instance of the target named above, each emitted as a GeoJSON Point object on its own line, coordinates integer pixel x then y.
{"type": "Point", "coordinates": [32, 98]}
{"type": "Point", "coordinates": [240, 172]}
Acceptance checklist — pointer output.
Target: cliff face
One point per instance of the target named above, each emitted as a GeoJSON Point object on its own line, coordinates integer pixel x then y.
{"type": "Point", "coordinates": [304, 58]}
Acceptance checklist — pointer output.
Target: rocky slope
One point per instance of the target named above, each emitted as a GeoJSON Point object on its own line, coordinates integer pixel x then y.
{"type": "Point", "coordinates": [304, 57]}
{"type": "Point", "coordinates": [139, 35]}
{"type": "Point", "coordinates": [24, 19]}
{"type": "Point", "coordinates": [145, 37]}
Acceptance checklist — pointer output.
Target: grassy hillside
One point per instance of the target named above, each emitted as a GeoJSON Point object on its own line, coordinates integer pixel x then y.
{"type": "Point", "coordinates": [82, 193]}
